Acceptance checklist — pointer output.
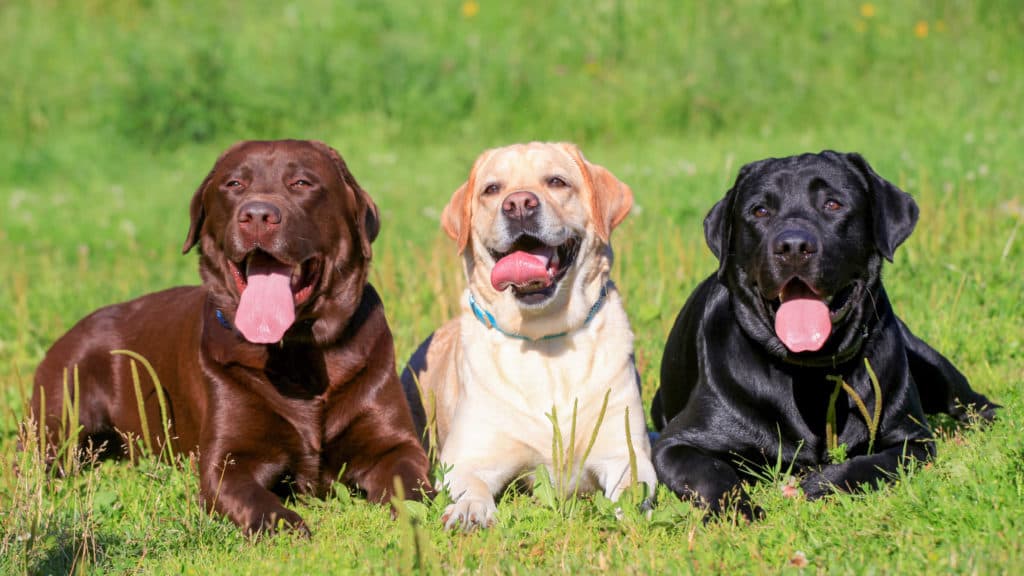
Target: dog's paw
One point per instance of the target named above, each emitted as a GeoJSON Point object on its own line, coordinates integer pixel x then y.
{"type": "Point", "coordinates": [734, 506]}
{"type": "Point", "coordinates": [815, 485]}
{"type": "Point", "coordinates": [282, 520]}
{"type": "Point", "coordinates": [469, 514]}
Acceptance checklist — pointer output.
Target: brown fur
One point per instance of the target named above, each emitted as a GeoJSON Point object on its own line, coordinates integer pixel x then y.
{"type": "Point", "coordinates": [322, 403]}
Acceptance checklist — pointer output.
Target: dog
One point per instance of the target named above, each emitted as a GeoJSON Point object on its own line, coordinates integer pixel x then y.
{"type": "Point", "coordinates": [278, 370]}
{"type": "Point", "coordinates": [542, 333]}
{"type": "Point", "coordinates": [774, 358]}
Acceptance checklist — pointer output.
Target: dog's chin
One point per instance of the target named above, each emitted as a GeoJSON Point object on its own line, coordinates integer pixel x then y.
{"type": "Point", "coordinates": [550, 265]}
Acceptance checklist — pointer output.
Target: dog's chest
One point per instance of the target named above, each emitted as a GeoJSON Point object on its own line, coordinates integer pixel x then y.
{"type": "Point", "coordinates": [532, 378]}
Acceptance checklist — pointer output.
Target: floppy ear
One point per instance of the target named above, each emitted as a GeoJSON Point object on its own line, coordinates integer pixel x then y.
{"type": "Point", "coordinates": [364, 211]}
{"type": "Point", "coordinates": [455, 219]}
{"type": "Point", "coordinates": [610, 198]}
{"type": "Point", "coordinates": [893, 212]}
{"type": "Point", "coordinates": [717, 227]}
{"type": "Point", "coordinates": [197, 214]}
{"type": "Point", "coordinates": [718, 222]}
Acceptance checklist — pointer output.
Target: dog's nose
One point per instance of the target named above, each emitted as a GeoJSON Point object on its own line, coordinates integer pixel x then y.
{"type": "Point", "coordinates": [260, 213]}
{"type": "Point", "coordinates": [520, 205]}
{"type": "Point", "coordinates": [794, 244]}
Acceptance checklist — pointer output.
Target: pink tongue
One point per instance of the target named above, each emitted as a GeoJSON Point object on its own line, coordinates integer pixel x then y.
{"type": "Point", "coordinates": [267, 307]}
{"type": "Point", "coordinates": [803, 324]}
{"type": "Point", "coordinates": [522, 270]}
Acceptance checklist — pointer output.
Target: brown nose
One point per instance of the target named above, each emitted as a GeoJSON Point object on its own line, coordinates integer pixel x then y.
{"type": "Point", "coordinates": [520, 205]}
{"type": "Point", "coordinates": [262, 213]}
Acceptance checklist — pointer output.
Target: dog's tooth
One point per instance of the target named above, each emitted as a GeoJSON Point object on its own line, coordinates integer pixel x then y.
{"type": "Point", "coordinates": [556, 260]}
{"type": "Point", "coordinates": [297, 270]}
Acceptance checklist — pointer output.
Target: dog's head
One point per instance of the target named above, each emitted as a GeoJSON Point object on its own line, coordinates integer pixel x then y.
{"type": "Point", "coordinates": [284, 232]}
{"type": "Point", "coordinates": [533, 222]}
{"type": "Point", "coordinates": [800, 242]}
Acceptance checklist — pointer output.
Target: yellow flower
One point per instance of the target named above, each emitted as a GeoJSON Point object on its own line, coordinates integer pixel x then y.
{"type": "Point", "coordinates": [867, 10]}
{"type": "Point", "coordinates": [470, 8]}
{"type": "Point", "coordinates": [921, 29]}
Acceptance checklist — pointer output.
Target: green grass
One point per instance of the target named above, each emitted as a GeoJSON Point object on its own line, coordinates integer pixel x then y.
{"type": "Point", "coordinates": [112, 112]}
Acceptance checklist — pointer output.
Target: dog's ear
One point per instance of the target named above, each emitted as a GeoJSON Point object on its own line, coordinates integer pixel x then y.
{"type": "Point", "coordinates": [893, 212]}
{"type": "Point", "coordinates": [717, 227]}
{"type": "Point", "coordinates": [718, 222]}
{"type": "Point", "coordinates": [364, 210]}
{"type": "Point", "coordinates": [610, 198]}
{"type": "Point", "coordinates": [456, 216]}
{"type": "Point", "coordinates": [197, 214]}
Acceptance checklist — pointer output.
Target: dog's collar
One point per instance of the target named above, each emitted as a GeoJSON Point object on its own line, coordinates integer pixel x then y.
{"type": "Point", "coordinates": [487, 319]}
{"type": "Point", "coordinates": [222, 320]}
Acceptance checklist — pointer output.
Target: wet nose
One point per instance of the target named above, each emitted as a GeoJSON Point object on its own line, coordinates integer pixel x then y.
{"type": "Point", "coordinates": [795, 244]}
{"type": "Point", "coordinates": [260, 213]}
{"type": "Point", "coordinates": [520, 205]}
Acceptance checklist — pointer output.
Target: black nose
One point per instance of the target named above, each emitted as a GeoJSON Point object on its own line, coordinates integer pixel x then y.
{"type": "Point", "coordinates": [520, 205]}
{"type": "Point", "coordinates": [259, 213]}
{"type": "Point", "coordinates": [795, 244]}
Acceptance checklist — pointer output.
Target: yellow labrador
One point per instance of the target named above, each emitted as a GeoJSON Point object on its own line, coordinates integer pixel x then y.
{"type": "Point", "coordinates": [542, 328]}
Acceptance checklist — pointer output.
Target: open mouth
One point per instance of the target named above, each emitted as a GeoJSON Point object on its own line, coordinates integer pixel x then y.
{"type": "Point", "coordinates": [301, 277]}
{"type": "Point", "coordinates": [531, 268]}
{"type": "Point", "coordinates": [804, 318]}
{"type": "Point", "coordinates": [270, 290]}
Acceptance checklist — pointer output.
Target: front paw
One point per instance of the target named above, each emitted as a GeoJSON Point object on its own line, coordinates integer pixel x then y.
{"type": "Point", "coordinates": [269, 523]}
{"type": "Point", "coordinates": [733, 505]}
{"type": "Point", "coordinates": [470, 513]}
{"type": "Point", "coordinates": [816, 485]}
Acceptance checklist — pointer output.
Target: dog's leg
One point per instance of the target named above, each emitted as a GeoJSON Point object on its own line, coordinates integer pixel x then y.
{"type": "Point", "coordinates": [611, 459]}
{"type": "Point", "coordinates": [386, 453]}
{"type": "Point", "coordinates": [868, 470]}
{"type": "Point", "coordinates": [941, 386]}
{"type": "Point", "coordinates": [709, 482]}
{"type": "Point", "coordinates": [482, 462]}
{"type": "Point", "coordinates": [237, 487]}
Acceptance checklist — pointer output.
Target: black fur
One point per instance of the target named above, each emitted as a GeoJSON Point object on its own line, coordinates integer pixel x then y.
{"type": "Point", "coordinates": [732, 393]}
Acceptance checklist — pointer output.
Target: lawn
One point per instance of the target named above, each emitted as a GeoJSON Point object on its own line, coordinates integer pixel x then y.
{"type": "Point", "coordinates": [111, 113]}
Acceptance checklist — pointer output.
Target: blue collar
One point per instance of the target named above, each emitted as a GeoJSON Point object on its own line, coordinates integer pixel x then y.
{"type": "Point", "coordinates": [487, 319]}
{"type": "Point", "coordinates": [222, 320]}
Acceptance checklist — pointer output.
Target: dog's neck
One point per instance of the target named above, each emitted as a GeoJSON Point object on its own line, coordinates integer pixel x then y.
{"type": "Point", "coordinates": [487, 319]}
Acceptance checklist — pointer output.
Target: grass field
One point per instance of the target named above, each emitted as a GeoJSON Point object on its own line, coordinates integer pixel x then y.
{"type": "Point", "coordinates": [112, 112]}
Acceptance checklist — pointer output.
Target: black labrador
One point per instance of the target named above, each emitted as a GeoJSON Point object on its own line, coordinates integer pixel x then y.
{"type": "Point", "coordinates": [778, 355]}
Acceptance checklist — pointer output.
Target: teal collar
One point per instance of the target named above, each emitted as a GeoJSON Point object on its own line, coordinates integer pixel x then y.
{"type": "Point", "coordinates": [487, 319]}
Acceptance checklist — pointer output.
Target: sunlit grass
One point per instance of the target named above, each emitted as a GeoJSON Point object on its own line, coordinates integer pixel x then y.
{"type": "Point", "coordinates": [111, 113]}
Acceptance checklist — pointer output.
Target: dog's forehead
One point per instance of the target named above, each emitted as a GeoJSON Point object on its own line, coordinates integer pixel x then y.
{"type": "Point", "coordinates": [278, 154]}
{"type": "Point", "coordinates": [797, 174]}
{"type": "Point", "coordinates": [523, 162]}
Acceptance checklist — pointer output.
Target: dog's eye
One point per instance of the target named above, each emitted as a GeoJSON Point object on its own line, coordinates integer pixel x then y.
{"type": "Point", "coordinates": [556, 182]}
{"type": "Point", "coordinates": [760, 212]}
{"type": "Point", "coordinates": [301, 182]}
{"type": "Point", "coordinates": [491, 189]}
{"type": "Point", "coordinates": [232, 184]}
{"type": "Point", "coordinates": [832, 205]}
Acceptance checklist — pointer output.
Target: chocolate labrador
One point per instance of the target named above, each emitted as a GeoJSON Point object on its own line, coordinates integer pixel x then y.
{"type": "Point", "coordinates": [279, 369]}
{"type": "Point", "coordinates": [792, 351]}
